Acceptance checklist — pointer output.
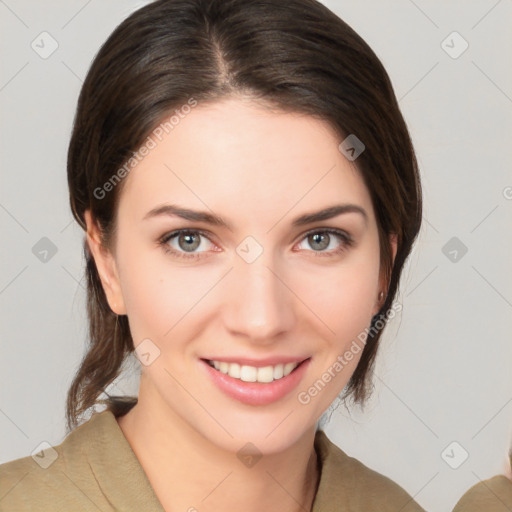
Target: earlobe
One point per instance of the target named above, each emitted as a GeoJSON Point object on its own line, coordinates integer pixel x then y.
{"type": "Point", "coordinates": [393, 243]}
{"type": "Point", "coordinates": [378, 303]}
{"type": "Point", "coordinates": [106, 266]}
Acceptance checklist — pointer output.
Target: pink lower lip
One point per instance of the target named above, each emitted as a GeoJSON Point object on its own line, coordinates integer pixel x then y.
{"type": "Point", "coordinates": [256, 393]}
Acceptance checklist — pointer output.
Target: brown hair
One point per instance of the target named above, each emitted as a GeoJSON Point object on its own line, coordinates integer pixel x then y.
{"type": "Point", "coordinates": [296, 56]}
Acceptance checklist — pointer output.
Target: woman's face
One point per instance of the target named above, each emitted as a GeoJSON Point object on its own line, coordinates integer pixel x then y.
{"type": "Point", "coordinates": [265, 287]}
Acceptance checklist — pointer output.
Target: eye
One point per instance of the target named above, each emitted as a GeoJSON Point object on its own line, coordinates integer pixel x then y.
{"type": "Point", "coordinates": [322, 239]}
{"type": "Point", "coordinates": [185, 243]}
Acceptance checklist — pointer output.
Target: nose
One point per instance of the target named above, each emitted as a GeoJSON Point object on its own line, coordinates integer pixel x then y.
{"type": "Point", "coordinates": [259, 305]}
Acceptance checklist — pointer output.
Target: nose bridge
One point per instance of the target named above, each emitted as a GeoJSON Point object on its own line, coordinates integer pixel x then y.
{"type": "Point", "coordinates": [260, 306]}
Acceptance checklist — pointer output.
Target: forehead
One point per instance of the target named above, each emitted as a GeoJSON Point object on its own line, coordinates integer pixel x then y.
{"type": "Point", "coordinates": [235, 156]}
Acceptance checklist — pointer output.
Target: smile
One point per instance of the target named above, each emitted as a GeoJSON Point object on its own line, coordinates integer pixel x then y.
{"type": "Point", "coordinates": [248, 373]}
{"type": "Point", "coordinates": [255, 385]}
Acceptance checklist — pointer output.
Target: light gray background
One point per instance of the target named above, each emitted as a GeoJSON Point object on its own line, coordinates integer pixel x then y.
{"type": "Point", "coordinates": [444, 369]}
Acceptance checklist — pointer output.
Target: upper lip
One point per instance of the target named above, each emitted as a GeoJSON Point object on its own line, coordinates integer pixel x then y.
{"type": "Point", "coordinates": [258, 363]}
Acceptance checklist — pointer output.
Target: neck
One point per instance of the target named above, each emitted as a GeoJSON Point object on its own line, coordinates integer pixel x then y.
{"type": "Point", "coordinates": [188, 472]}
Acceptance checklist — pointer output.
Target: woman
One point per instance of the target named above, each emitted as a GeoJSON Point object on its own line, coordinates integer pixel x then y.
{"type": "Point", "coordinates": [250, 195]}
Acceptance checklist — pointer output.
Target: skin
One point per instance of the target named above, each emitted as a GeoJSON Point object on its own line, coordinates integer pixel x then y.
{"type": "Point", "coordinates": [258, 170]}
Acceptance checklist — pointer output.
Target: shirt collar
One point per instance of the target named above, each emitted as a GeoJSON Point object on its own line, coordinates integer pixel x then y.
{"type": "Point", "coordinates": [115, 466]}
{"type": "Point", "coordinates": [123, 481]}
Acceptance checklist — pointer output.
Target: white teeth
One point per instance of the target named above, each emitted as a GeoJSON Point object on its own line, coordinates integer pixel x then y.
{"type": "Point", "coordinates": [253, 374]}
{"type": "Point", "coordinates": [266, 374]}
{"type": "Point", "coordinates": [248, 373]}
{"type": "Point", "coordinates": [234, 370]}
{"type": "Point", "coordinates": [288, 367]}
{"type": "Point", "coordinates": [278, 371]}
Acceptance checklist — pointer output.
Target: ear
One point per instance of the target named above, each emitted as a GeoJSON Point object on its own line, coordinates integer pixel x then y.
{"type": "Point", "coordinates": [393, 243]}
{"type": "Point", "coordinates": [106, 265]}
{"type": "Point", "coordinates": [383, 288]}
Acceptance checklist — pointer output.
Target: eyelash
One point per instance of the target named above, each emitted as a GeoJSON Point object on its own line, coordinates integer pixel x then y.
{"type": "Point", "coordinates": [346, 242]}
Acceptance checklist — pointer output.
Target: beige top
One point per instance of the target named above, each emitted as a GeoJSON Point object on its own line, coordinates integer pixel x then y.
{"type": "Point", "coordinates": [493, 495]}
{"type": "Point", "coordinates": [96, 469]}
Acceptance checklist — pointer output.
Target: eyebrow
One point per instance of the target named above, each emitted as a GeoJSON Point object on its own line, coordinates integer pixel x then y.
{"type": "Point", "coordinates": [210, 218]}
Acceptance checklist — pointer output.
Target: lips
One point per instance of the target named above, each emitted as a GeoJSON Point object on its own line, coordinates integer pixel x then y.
{"type": "Point", "coordinates": [255, 392]}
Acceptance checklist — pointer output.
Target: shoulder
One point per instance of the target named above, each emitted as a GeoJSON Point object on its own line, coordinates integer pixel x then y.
{"type": "Point", "coordinates": [53, 473]}
{"type": "Point", "coordinates": [493, 495]}
{"type": "Point", "coordinates": [345, 480]}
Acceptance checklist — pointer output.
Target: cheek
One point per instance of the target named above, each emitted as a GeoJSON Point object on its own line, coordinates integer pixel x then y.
{"type": "Point", "coordinates": [160, 297]}
{"type": "Point", "coordinates": [343, 297]}
{"type": "Point", "coordinates": [144, 297]}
